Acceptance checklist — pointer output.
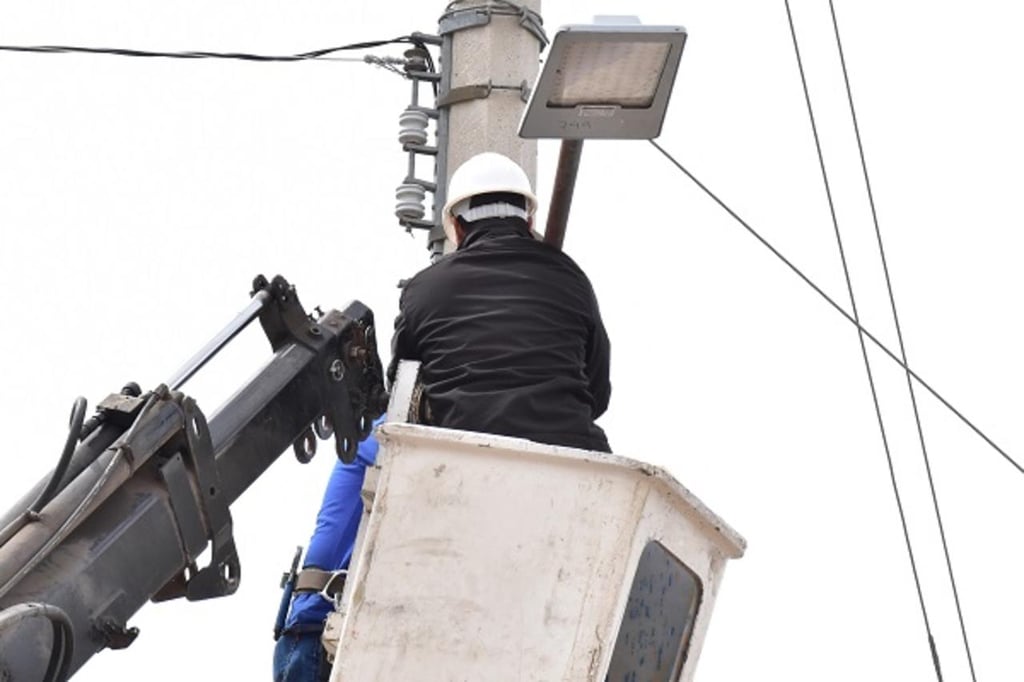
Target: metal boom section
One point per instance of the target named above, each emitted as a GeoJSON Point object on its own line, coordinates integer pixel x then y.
{"type": "Point", "coordinates": [149, 486]}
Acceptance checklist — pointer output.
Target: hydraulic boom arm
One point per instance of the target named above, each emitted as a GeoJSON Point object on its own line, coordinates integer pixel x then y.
{"type": "Point", "coordinates": [145, 486]}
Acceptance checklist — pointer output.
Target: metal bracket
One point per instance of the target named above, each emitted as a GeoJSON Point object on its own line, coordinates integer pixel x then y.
{"type": "Point", "coordinates": [191, 533]}
{"type": "Point", "coordinates": [455, 20]}
{"type": "Point", "coordinates": [109, 624]}
{"type": "Point", "coordinates": [466, 93]}
{"type": "Point", "coordinates": [410, 224]}
{"type": "Point", "coordinates": [283, 318]}
{"type": "Point", "coordinates": [354, 377]}
{"type": "Point", "coordinates": [425, 184]}
{"type": "Point", "coordinates": [115, 635]}
{"type": "Point", "coordinates": [459, 20]}
{"type": "Point", "coordinates": [431, 113]}
{"type": "Point", "coordinates": [221, 576]}
{"type": "Point", "coordinates": [340, 413]}
{"type": "Point", "coordinates": [120, 409]}
{"type": "Point", "coordinates": [426, 38]}
{"type": "Point", "coordinates": [422, 149]}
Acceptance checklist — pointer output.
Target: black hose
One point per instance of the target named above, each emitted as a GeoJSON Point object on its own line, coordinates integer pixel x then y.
{"type": "Point", "coordinates": [63, 648]}
{"type": "Point", "coordinates": [75, 430]}
{"type": "Point", "coordinates": [118, 457]}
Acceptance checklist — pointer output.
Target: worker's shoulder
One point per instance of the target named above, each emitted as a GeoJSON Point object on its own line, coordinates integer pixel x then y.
{"type": "Point", "coordinates": [429, 271]}
{"type": "Point", "coordinates": [429, 283]}
{"type": "Point", "coordinates": [565, 258]}
{"type": "Point", "coordinates": [498, 255]}
{"type": "Point", "coordinates": [560, 258]}
{"type": "Point", "coordinates": [530, 247]}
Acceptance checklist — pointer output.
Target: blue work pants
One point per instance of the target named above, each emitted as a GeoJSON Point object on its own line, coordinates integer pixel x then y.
{"type": "Point", "coordinates": [300, 657]}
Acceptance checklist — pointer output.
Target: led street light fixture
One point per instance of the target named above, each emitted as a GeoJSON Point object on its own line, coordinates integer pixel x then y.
{"type": "Point", "coordinates": [609, 80]}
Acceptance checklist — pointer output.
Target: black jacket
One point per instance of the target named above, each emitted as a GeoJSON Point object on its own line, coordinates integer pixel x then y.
{"type": "Point", "coordinates": [510, 340]}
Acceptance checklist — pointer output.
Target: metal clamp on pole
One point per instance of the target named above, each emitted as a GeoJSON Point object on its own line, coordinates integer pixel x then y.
{"type": "Point", "coordinates": [460, 18]}
{"type": "Point", "coordinates": [467, 93]}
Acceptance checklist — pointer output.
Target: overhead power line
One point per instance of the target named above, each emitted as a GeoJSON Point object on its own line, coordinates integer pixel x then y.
{"type": "Point", "coordinates": [903, 352]}
{"type": "Point", "coordinates": [842, 311]}
{"type": "Point", "coordinates": [860, 330]}
{"type": "Point", "coordinates": [324, 54]}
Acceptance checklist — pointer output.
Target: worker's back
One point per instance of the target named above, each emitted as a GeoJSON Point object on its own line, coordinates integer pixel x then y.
{"type": "Point", "coordinates": [510, 340]}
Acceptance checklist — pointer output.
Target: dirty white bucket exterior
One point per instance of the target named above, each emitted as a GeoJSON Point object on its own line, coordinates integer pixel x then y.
{"type": "Point", "coordinates": [490, 558]}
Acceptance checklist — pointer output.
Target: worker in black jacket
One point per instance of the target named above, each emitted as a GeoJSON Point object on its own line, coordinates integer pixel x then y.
{"type": "Point", "coordinates": [506, 328]}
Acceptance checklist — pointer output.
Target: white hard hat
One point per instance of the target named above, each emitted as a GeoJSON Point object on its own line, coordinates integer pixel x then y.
{"type": "Point", "coordinates": [482, 174]}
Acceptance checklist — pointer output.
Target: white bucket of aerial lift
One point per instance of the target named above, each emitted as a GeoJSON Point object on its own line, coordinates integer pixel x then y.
{"type": "Point", "coordinates": [482, 557]}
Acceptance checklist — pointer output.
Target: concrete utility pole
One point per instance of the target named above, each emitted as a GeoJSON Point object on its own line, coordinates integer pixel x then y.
{"type": "Point", "coordinates": [489, 61]}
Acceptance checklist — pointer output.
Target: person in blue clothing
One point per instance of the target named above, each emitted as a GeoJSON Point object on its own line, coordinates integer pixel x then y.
{"type": "Point", "coordinates": [298, 655]}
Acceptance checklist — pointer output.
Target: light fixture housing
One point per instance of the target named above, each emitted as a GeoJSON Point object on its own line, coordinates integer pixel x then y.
{"type": "Point", "coordinates": [611, 79]}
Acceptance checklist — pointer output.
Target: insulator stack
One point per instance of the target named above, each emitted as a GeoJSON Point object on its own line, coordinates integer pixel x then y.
{"type": "Point", "coordinates": [409, 202]}
{"type": "Point", "coordinates": [414, 135]}
{"type": "Point", "coordinates": [413, 127]}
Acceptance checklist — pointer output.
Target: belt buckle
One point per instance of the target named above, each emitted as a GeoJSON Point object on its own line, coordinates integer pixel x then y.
{"type": "Point", "coordinates": [337, 580]}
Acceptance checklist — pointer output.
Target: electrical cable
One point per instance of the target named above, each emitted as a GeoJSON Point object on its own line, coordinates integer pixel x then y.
{"type": "Point", "coordinates": [387, 63]}
{"type": "Point", "coordinates": [63, 648]}
{"type": "Point", "coordinates": [899, 336]}
{"type": "Point", "coordinates": [828, 299]}
{"type": "Point", "coordinates": [863, 345]}
{"type": "Point", "coordinates": [51, 489]}
{"type": "Point", "coordinates": [71, 522]}
{"type": "Point", "coordinates": [74, 431]}
{"type": "Point", "coordinates": [429, 58]}
{"type": "Point", "coordinates": [244, 56]}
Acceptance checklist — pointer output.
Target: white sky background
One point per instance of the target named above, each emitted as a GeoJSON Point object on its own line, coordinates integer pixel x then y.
{"type": "Point", "coordinates": [138, 198]}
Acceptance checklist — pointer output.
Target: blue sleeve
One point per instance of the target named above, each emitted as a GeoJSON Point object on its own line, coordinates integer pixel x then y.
{"type": "Point", "coordinates": [337, 523]}
{"type": "Point", "coordinates": [333, 538]}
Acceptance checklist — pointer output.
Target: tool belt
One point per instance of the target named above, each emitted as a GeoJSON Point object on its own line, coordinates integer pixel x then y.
{"type": "Point", "coordinates": [328, 583]}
